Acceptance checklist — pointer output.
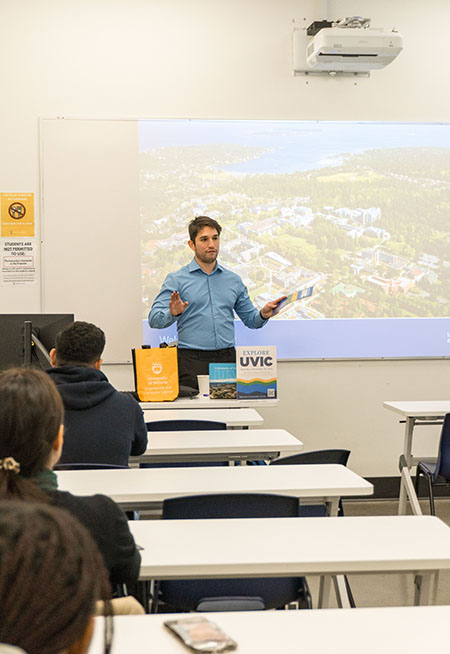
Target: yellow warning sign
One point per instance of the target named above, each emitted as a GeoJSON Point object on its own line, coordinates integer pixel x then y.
{"type": "Point", "coordinates": [17, 214]}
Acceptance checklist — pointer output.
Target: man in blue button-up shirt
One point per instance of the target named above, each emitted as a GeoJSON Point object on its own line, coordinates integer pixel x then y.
{"type": "Point", "coordinates": [202, 298]}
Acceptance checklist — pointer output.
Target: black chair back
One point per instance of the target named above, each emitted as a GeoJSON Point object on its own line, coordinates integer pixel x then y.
{"type": "Point", "coordinates": [236, 505]}
{"type": "Point", "coordinates": [184, 425]}
{"type": "Point", "coordinates": [88, 466]}
{"type": "Point", "coordinates": [443, 462]}
{"type": "Point", "coordinates": [317, 457]}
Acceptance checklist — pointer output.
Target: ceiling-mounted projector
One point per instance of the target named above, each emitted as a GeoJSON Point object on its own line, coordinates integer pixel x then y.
{"type": "Point", "coordinates": [345, 46]}
{"type": "Point", "coordinates": [353, 50]}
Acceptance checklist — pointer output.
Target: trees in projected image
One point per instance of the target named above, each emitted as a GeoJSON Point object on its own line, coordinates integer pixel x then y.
{"type": "Point", "coordinates": [369, 229]}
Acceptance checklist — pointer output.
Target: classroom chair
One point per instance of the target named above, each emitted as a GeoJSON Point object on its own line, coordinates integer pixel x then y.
{"type": "Point", "coordinates": [184, 425]}
{"type": "Point", "coordinates": [88, 466]}
{"type": "Point", "coordinates": [313, 458]}
{"type": "Point", "coordinates": [231, 594]}
{"type": "Point", "coordinates": [316, 457]}
{"type": "Point", "coordinates": [437, 473]}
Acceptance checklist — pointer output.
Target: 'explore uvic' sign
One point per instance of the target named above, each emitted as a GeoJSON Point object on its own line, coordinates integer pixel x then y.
{"type": "Point", "coordinates": [256, 372]}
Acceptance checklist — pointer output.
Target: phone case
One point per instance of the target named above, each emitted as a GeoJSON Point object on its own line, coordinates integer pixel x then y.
{"type": "Point", "coordinates": [201, 635]}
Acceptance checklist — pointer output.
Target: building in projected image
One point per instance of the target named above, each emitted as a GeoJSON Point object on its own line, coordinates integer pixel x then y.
{"type": "Point", "coordinates": [363, 208]}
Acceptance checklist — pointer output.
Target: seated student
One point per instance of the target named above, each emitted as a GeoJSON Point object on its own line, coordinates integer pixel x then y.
{"type": "Point", "coordinates": [51, 576]}
{"type": "Point", "coordinates": [101, 424]}
{"type": "Point", "coordinates": [31, 439]}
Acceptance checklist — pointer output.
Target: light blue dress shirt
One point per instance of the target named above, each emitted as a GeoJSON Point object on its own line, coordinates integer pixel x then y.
{"type": "Point", "coordinates": [208, 321]}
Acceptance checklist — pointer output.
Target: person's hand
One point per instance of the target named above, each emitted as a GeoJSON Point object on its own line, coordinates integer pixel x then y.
{"type": "Point", "coordinates": [176, 305]}
{"type": "Point", "coordinates": [268, 309]}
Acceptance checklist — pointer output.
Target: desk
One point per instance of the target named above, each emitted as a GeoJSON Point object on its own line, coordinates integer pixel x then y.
{"type": "Point", "coordinates": [201, 402]}
{"type": "Point", "coordinates": [142, 489]}
{"type": "Point", "coordinates": [182, 549]}
{"type": "Point", "coordinates": [290, 632]}
{"type": "Point", "coordinates": [423, 412]}
{"type": "Point", "coordinates": [232, 417]}
{"type": "Point", "coordinates": [218, 445]}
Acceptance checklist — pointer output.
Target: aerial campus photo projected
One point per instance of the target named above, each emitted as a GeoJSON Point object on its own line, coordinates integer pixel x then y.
{"type": "Point", "coordinates": [359, 211]}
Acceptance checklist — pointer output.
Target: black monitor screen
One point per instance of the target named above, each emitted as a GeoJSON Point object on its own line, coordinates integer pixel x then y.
{"type": "Point", "coordinates": [44, 326]}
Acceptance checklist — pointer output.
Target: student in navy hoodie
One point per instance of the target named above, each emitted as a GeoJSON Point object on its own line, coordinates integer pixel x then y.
{"type": "Point", "coordinates": [102, 425]}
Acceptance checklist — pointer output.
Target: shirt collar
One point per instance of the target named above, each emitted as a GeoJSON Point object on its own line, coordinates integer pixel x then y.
{"type": "Point", "coordinates": [193, 266]}
{"type": "Point", "coordinates": [46, 480]}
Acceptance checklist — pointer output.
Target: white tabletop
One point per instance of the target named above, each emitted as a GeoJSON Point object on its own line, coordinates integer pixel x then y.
{"type": "Point", "coordinates": [202, 402]}
{"type": "Point", "coordinates": [238, 441]}
{"type": "Point", "coordinates": [348, 631]}
{"type": "Point", "coordinates": [140, 487]}
{"type": "Point", "coordinates": [232, 417]}
{"type": "Point", "coordinates": [291, 546]}
{"type": "Point", "coordinates": [420, 408]}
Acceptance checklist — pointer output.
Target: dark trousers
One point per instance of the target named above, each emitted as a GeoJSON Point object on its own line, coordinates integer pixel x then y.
{"type": "Point", "coordinates": [196, 362]}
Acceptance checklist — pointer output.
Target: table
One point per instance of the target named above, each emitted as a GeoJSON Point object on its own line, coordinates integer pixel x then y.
{"type": "Point", "coordinates": [218, 445]}
{"type": "Point", "coordinates": [290, 632]}
{"type": "Point", "coordinates": [422, 412]}
{"type": "Point", "coordinates": [246, 547]}
{"type": "Point", "coordinates": [201, 402]}
{"type": "Point", "coordinates": [232, 417]}
{"type": "Point", "coordinates": [141, 489]}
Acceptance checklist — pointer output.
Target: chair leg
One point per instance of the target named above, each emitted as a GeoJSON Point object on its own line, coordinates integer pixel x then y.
{"type": "Point", "coordinates": [351, 599]}
{"type": "Point", "coordinates": [155, 596]}
{"type": "Point", "coordinates": [430, 491]}
{"type": "Point", "coordinates": [417, 483]}
{"type": "Point", "coordinates": [142, 592]}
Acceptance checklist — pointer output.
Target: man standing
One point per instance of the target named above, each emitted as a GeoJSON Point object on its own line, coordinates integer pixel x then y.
{"type": "Point", "coordinates": [101, 424]}
{"type": "Point", "coordinates": [202, 298]}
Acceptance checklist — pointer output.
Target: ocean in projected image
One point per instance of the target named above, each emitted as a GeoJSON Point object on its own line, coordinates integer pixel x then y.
{"type": "Point", "coordinates": [358, 210]}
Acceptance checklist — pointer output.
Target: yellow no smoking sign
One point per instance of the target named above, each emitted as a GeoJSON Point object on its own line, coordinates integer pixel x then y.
{"type": "Point", "coordinates": [17, 214]}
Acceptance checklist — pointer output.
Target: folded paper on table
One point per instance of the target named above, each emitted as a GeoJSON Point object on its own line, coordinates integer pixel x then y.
{"type": "Point", "coordinates": [301, 294]}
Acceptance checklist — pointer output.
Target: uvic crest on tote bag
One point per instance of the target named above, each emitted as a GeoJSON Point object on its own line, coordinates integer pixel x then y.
{"type": "Point", "coordinates": [156, 373]}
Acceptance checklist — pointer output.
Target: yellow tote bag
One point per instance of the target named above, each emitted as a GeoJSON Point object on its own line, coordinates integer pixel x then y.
{"type": "Point", "coordinates": [156, 373]}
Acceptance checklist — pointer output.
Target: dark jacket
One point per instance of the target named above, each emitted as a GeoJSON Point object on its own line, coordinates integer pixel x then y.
{"type": "Point", "coordinates": [107, 524]}
{"type": "Point", "coordinates": [101, 425]}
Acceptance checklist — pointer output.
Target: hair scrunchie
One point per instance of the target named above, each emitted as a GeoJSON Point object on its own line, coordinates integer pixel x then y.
{"type": "Point", "coordinates": [10, 464]}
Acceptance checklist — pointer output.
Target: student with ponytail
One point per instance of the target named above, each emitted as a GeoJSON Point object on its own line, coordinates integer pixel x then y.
{"type": "Point", "coordinates": [51, 576]}
{"type": "Point", "coordinates": [31, 439]}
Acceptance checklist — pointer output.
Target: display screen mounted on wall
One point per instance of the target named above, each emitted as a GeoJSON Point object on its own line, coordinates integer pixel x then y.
{"type": "Point", "coordinates": [359, 210]}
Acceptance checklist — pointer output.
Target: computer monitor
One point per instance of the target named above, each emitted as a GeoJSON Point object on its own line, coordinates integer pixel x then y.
{"type": "Point", "coordinates": [27, 338]}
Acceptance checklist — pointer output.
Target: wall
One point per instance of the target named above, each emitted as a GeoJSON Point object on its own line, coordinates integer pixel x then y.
{"type": "Point", "coordinates": [226, 59]}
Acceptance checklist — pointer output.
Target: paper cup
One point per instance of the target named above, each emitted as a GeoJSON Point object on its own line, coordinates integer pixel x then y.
{"type": "Point", "coordinates": [203, 385]}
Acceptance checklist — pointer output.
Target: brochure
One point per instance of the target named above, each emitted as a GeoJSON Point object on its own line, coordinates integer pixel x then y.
{"type": "Point", "coordinates": [222, 381]}
{"type": "Point", "coordinates": [256, 372]}
{"type": "Point", "coordinates": [301, 294]}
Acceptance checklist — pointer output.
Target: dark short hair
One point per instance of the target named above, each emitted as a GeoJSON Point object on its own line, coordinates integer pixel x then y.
{"type": "Point", "coordinates": [82, 343]}
{"type": "Point", "coordinates": [51, 576]}
{"type": "Point", "coordinates": [196, 225]}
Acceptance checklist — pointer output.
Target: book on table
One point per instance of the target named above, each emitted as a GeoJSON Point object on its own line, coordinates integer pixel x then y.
{"type": "Point", "coordinates": [222, 381]}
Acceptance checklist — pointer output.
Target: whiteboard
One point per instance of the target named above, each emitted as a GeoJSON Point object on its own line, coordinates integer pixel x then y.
{"type": "Point", "coordinates": [90, 227]}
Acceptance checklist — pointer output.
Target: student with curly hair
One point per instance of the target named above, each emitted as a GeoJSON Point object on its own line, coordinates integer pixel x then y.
{"type": "Point", "coordinates": [101, 424]}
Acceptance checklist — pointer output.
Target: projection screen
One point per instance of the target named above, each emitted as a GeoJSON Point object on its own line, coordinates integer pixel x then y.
{"type": "Point", "coordinates": [358, 210]}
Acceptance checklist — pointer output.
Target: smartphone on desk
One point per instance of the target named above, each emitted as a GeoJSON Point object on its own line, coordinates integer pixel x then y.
{"type": "Point", "coordinates": [201, 635]}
